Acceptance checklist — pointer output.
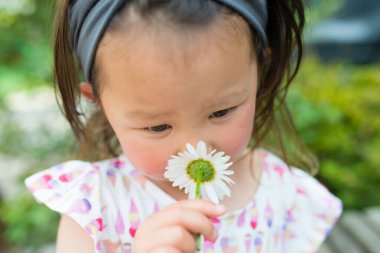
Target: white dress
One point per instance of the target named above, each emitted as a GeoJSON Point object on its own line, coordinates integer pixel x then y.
{"type": "Point", "coordinates": [291, 211]}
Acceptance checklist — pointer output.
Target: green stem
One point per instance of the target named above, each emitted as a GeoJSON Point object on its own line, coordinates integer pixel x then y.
{"type": "Point", "coordinates": [198, 185]}
{"type": "Point", "coordinates": [198, 196]}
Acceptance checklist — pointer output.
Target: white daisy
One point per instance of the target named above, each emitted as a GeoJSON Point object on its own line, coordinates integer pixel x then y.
{"type": "Point", "coordinates": [201, 174]}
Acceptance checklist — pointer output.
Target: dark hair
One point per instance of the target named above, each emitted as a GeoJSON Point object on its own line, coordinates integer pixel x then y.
{"type": "Point", "coordinates": [279, 60]}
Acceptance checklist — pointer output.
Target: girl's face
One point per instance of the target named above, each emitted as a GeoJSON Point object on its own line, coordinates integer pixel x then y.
{"type": "Point", "coordinates": [162, 89]}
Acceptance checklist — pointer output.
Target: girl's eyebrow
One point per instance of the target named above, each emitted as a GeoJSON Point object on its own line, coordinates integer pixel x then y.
{"type": "Point", "coordinates": [147, 115]}
{"type": "Point", "coordinates": [228, 98]}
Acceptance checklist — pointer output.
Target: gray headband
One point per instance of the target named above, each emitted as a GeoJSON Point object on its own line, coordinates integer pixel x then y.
{"type": "Point", "coordinates": [89, 19]}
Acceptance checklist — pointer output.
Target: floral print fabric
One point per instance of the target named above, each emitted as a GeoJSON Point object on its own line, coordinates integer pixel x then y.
{"type": "Point", "coordinates": [290, 212]}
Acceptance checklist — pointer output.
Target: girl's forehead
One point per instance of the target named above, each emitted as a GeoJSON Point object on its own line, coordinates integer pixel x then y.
{"type": "Point", "coordinates": [171, 63]}
{"type": "Point", "coordinates": [224, 33]}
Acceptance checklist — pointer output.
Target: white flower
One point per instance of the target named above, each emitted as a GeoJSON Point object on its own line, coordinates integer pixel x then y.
{"type": "Point", "coordinates": [210, 169]}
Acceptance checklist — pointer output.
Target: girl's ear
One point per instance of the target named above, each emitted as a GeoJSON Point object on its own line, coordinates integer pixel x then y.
{"type": "Point", "coordinates": [267, 54]}
{"type": "Point", "coordinates": [87, 91]}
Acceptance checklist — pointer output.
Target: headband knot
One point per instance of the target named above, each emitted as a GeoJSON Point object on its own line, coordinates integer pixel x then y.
{"type": "Point", "coordinates": [88, 20]}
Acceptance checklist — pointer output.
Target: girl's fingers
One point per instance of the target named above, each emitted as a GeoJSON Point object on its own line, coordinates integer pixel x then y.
{"type": "Point", "coordinates": [193, 221]}
{"type": "Point", "coordinates": [176, 237]}
{"type": "Point", "coordinates": [176, 226]}
{"type": "Point", "coordinates": [166, 250]}
{"type": "Point", "coordinates": [206, 207]}
{"type": "Point", "coordinates": [192, 215]}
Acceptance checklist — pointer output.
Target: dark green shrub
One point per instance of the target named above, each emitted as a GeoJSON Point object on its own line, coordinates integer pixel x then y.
{"type": "Point", "coordinates": [337, 110]}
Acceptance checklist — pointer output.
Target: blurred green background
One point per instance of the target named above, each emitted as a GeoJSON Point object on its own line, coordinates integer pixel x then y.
{"type": "Point", "coordinates": [336, 107]}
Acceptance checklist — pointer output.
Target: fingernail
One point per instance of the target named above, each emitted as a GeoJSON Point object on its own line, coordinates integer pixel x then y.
{"type": "Point", "coordinates": [220, 208]}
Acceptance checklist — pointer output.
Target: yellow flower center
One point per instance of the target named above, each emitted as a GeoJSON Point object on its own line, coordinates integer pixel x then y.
{"type": "Point", "coordinates": [202, 166]}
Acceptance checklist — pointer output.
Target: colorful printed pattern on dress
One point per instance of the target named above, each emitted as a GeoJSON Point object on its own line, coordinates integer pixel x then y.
{"type": "Point", "coordinates": [291, 211]}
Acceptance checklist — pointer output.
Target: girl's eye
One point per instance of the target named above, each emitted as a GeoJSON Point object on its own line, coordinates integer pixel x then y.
{"type": "Point", "coordinates": [221, 113]}
{"type": "Point", "coordinates": [158, 128]}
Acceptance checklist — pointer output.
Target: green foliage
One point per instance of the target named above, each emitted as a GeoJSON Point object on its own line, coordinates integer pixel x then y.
{"type": "Point", "coordinates": [322, 9]}
{"type": "Point", "coordinates": [28, 224]}
{"type": "Point", "coordinates": [25, 57]}
{"type": "Point", "coordinates": [337, 110]}
{"type": "Point", "coordinates": [25, 63]}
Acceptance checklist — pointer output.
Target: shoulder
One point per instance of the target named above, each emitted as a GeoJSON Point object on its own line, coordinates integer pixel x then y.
{"type": "Point", "coordinates": [277, 174]}
{"type": "Point", "coordinates": [75, 178]}
{"type": "Point", "coordinates": [315, 211]}
{"type": "Point", "coordinates": [310, 209]}
{"type": "Point", "coordinates": [82, 190]}
{"type": "Point", "coordinates": [73, 174]}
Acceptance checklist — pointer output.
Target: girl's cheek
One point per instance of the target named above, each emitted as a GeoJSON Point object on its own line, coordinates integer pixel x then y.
{"type": "Point", "coordinates": [235, 140]}
{"type": "Point", "coordinates": [148, 160]}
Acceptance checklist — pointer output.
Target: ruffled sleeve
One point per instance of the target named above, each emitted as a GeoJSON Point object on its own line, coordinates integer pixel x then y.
{"type": "Point", "coordinates": [71, 188]}
{"type": "Point", "coordinates": [313, 214]}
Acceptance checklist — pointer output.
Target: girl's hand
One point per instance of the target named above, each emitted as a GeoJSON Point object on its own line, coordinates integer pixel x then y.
{"type": "Point", "coordinates": [174, 228]}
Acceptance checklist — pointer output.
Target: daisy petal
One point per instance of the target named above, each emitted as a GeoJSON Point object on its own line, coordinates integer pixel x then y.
{"type": "Point", "coordinates": [224, 167]}
{"type": "Point", "coordinates": [226, 179]}
{"type": "Point", "coordinates": [191, 191]}
{"type": "Point", "coordinates": [223, 187]}
{"type": "Point", "coordinates": [202, 149]}
{"type": "Point", "coordinates": [192, 151]}
{"type": "Point", "coordinates": [218, 154]}
{"type": "Point", "coordinates": [181, 182]}
{"type": "Point", "coordinates": [211, 194]}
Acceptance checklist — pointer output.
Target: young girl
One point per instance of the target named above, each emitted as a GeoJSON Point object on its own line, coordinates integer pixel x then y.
{"type": "Point", "coordinates": [162, 74]}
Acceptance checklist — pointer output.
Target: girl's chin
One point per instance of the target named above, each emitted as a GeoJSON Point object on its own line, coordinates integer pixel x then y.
{"type": "Point", "coordinates": [156, 177]}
